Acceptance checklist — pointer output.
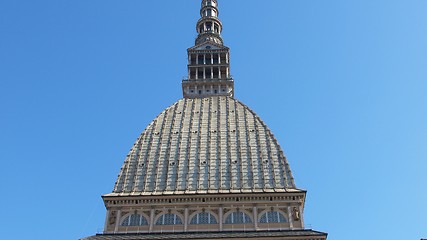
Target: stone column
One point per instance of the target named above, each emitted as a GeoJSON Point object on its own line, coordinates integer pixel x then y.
{"type": "Point", "coordinates": [255, 210]}
{"type": "Point", "coordinates": [119, 215]}
{"type": "Point", "coordinates": [186, 219]}
{"type": "Point", "coordinates": [290, 218]}
{"type": "Point", "coordinates": [107, 219]}
{"type": "Point", "coordinates": [301, 216]}
{"type": "Point", "coordinates": [220, 218]}
{"type": "Point", "coordinates": [152, 212]}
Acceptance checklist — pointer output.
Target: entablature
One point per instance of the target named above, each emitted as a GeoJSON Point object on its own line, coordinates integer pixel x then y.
{"type": "Point", "coordinates": [209, 199]}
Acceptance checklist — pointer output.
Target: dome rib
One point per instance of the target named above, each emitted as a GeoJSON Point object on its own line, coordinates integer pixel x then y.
{"type": "Point", "coordinates": [209, 145]}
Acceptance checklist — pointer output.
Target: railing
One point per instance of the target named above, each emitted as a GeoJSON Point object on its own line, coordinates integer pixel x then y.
{"type": "Point", "coordinates": [186, 80]}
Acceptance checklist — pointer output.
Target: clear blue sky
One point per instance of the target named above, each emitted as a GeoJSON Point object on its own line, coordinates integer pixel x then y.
{"type": "Point", "coordinates": [342, 84]}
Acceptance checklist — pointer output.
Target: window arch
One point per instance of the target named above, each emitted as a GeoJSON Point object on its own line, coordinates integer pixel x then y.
{"type": "Point", "coordinates": [272, 217]}
{"type": "Point", "coordinates": [238, 217]}
{"type": "Point", "coordinates": [204, 218]}
{"type": "Point", "coordinates": [169, 219]}
{"type": "Point", "coordinates": [210, 3]}
{"type": "Point", "coordinates": [134, 220]}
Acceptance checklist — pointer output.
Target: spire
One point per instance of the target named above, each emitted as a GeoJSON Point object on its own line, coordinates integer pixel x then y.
{"type": "Point", "coordinates": [209, 27]}
{"type": "Point", "coordinates": [209, 60]}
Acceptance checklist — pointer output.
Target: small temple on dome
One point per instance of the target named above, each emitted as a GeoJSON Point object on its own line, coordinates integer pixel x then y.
{"type": "Point", "coordinates": [207, 167]}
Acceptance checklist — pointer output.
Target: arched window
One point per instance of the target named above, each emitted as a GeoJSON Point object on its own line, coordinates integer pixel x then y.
{"type": "Point", "coordinates": [209, 26]}
{"type": "Point", "coordinates": [134, 220]}
{"type": "Point", "coordinates": [216, 28]}
{"type": "Point", "coordinates": [272, 217]}
{"type": "Point", "coordinates": [238, 218]}
{"type": "Point", "coordinates": [210, 3]}
{"type": "Point", "coordinates": [203, 218]}
{"type": "Point", "coordinates": [169, 219]}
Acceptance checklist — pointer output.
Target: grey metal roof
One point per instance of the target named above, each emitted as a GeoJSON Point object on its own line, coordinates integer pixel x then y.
{"type": "Point", "coordinates": [287, 234]}
{"type": "Point", "coordinates": [205, 145]}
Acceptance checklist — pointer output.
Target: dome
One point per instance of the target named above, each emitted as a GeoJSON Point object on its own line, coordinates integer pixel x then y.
{"type": "Point", "coordinates": [202, 146]}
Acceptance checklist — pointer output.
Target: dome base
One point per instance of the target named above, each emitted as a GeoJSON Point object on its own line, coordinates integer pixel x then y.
{"type": "Point", "coordinates": [205, 212]}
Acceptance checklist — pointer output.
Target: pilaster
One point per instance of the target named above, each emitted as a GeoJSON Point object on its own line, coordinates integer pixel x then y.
{"type": "Point", "coordinates": [119, 216]}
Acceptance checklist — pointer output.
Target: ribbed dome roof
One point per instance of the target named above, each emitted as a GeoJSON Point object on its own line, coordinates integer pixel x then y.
{"type": "Point", "coordinates": [207, 145]}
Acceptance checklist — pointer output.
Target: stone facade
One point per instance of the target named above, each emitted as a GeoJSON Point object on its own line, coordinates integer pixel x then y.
{"type": "Point", "coordinates": [199, 213]}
